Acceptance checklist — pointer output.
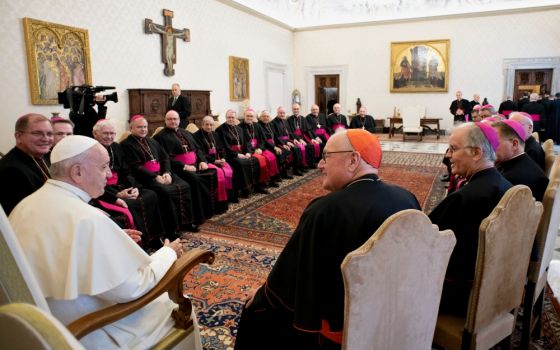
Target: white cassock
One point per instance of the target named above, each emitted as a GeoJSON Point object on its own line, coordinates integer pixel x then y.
{"type": "Point", "coordinates": [84, 262]}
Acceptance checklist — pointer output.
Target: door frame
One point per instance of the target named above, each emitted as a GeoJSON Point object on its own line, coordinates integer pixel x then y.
{"type": "Point", "coordinates": [512, 64]}
{"type": "Point", "coordinates": [311, 71]}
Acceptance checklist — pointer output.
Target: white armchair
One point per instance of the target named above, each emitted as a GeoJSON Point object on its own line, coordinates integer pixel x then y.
{"type": "Point", "coordinates": [411, 121]}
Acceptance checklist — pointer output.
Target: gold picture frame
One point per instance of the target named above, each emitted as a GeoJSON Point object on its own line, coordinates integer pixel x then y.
{"type": "Point", "coordinates": [419, 66]}
{"type": "Point", "coordinates": [57, 57]}
{"type": "Point", "coordinates": [238, 78]}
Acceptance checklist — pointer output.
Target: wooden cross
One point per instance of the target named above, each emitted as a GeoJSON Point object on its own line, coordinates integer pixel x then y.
{"type": "Point", "coordinates": [168, 39]}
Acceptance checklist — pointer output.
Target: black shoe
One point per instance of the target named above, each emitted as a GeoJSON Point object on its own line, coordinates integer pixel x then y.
{"type": "Point", "coordinates": [444, 178]}
{"type": "Point", "coordinates": [304, 170]}
{"type": "Point", "coordinates": [313, 166]}
{"type": "Point", "coordinates": [244, 193]}
{"type": "Point", "coordinates": [273, 184]}
{"type": "Point", "coordinates": [261, 190]}
{"type": "Point", "coordinates": [192, 228]}
{"type": "Point", "coordinates": [297, 173]}
{"type": "Point", "coordinates": [287, 177]}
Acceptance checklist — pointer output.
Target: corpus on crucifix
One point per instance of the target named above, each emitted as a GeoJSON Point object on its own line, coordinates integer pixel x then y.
{"type": "Point", "coordinates": [168, 39]}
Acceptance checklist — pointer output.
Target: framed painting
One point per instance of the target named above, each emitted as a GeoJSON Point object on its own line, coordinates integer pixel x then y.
{"type": "Point", "coordinates": [57, 58]}
{"type": "Point", "coordinates": [419, 66]}
{"type": "Point", "coordinates": [238, 78]}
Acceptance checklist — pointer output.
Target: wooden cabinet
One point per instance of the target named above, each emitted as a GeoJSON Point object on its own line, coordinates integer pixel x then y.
{"type": "Point", "coordinates": [152, 104]}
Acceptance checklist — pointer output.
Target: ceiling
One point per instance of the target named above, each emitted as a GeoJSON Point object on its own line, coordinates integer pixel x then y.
{"type": "Point", "coordinates": [306, 14]}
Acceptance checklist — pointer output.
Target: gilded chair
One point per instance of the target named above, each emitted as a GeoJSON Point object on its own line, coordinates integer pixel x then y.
{"type": "Point", "coordinates": [25, 326]}
{"type": "Point", "coordinates": [411, 121]}
{"type": "Point", "coordinates": [548, 147]}
{"type": "Point", "coordinates": [543, 249]}
{"type": "Point", "coordinates": [393, 284]}
{"type": "Point", "coordinates": [123, 136]}
{"type": "Point", "coordinates": [192, 128]}
{"type": "Point", "coordinates": [18, 285]}
{"type": "Point", "coordinates": [504, 246]}
{"type": "Point", "coordinates": [157, 131]}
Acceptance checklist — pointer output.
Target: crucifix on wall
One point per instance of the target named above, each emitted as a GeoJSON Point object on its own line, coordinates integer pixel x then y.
{"type": "Point", "coordinates": [168, 39]}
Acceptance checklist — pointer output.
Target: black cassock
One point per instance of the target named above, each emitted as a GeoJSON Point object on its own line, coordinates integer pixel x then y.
{"type": "Point", "coordinates": [174, 199]}
{"type": "Point", "coordinates": [144, 209]}
{"type": "Point", "coordinates": [462, 211]}
{"type": "Point", "coordinates": [212, 141]}
{"type": "Point", "coordinates": [365, 123]}
{"type": "Point", "coordinates": [270, 141]}
{"type": "Point", "coordinates": [20, 175]}
{"type": "Point", "coordinates": [522, 170]}
{"type": "Point", "coordinates": [300, 129]}
{"type": "Point", "coordinates": [318, 123]}
{"type": "Point", "coordinates": [335, 121]}
{"type": "Point", "coordinates": [554, 123]}
{"type": "Point", "coordinates": [534, 150]}
{"type": "Point", "coordinates": [281, 130]}
{"type": "Point", "coordinates": [203, 183]}
{"type": "Point", "coordinates": [536, 110]}
{"type": "Point", "coordinates": [305, 287]}
{"type": "Point", "coordinates": [246, 170]}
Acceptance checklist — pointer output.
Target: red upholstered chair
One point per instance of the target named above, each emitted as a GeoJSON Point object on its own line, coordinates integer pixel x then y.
{"type": "Point", "coordinates": [504, 246]}
{"type": "Point", "coordinates": [393, 284]}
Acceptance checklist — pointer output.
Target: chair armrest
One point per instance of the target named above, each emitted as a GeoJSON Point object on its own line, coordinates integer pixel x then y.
{"type": "Point", "coordinates": [172, 283]}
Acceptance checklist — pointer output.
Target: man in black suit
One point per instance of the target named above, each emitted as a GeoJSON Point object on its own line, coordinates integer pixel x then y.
{"type": "Point", "coordinates": [507, 106]}
{"type": "Point", "coordinates": [179, 103]}
{"type": "Point", "coordinates": [460, 108]}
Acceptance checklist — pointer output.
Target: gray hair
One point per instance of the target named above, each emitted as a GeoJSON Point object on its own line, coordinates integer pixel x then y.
{"type": "Point", "coordinates": [101, 123]}
{"type": "Point", "coordinates": [476, 138]}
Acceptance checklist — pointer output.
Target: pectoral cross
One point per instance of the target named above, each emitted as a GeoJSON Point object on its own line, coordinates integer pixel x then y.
{"type": "Point", "coordinates": [168, 39]}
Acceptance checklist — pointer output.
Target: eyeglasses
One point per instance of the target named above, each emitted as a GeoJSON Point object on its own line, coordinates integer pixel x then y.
{"type": "Point", "coordinates": [326, 154]}
{"type": "Point", "coordinates": [38, 134]}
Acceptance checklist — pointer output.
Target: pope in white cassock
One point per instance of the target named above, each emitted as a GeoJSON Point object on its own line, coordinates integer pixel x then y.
{"type": "Point", "coordinates": [83, 260]}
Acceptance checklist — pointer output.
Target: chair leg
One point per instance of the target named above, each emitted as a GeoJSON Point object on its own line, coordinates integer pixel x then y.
{"type": "Point", "coordinates": [536, 321]}
{"type": "Point", "coordinates": [527, 315]}
{"type": "Point", "coordinates": [466, 340]}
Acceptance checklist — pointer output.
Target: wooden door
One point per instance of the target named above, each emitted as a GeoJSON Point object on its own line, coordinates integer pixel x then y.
{"type": "Point", "coordinates": [532, 80]}
{"type": "Point", "coordinates": [327, 91]}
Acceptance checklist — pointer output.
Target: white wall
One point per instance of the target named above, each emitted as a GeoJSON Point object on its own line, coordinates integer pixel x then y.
{"type": "Point", "coordinates": [477, 49]}
{"type": "Point", "coordinates": [123, 56]}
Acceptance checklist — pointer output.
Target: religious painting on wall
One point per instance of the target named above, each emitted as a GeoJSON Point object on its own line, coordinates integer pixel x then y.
{"type": "Point", "coordinates": [419, 66]}
{"type": "Point", "coordinates": [238, 78]}
{"type": "Point", "coordinates": [57, 58]}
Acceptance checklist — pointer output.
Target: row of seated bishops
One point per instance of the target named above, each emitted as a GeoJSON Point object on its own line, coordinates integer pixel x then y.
{"type": "Point", "coordinates": [302, 301]}
{"type": "Point", "coordinates": [176, 180]}
{"type": "Point", "coordinates": [520, 158]}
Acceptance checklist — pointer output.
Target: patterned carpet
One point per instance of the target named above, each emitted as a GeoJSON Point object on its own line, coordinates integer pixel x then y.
{"type": "Point", "coordinates": [248, 238]}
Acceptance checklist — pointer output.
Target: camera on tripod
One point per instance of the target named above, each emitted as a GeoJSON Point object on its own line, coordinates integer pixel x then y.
{"type": "Point", "coordinates": [81, 98]}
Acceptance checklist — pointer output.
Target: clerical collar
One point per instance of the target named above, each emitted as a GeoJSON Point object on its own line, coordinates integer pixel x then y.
{"type": "Point", "coordinates": [83, 195]}
{"type": "Point", "coordinates": [367, 177]}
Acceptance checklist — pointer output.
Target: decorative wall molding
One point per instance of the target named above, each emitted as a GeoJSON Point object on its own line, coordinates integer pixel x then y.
{"type": "Point", "coordinates": [510, 65]}
{"type": "Point", "coordinates": [310, 71]}
{"type": "Point", "coordinates": [270, 67]}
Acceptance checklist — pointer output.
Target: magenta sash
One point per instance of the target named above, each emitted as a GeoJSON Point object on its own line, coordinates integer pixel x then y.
{"type": "Point", "coordinates": [263, 178]}
{"type": "Point", "coordinates": [152, 165]}
{"type": "Point", "coordinates": [298, 132]}
{"type": "Point", "coordinates": [536, 117]}
{"type": "Point", "coordinates": [121, 210]}
{"type": "Point", "coordinates": [212, 150]}
{"type": "Point", "coordinates": [270, 141]}
{"type": "Point", "coordinates": [228, 173]}
{"type": "Point", "coordinates": [506, 113]}
{"type": "Point", "coordinates": [338, 126]}
{"type": "Point", "coordinates": [236, 148]}
{"type": "Point", "coordinates": [303, 157]}
{"type": "Point", "coordinates": [284, 138]}
{"type": "Point", "coordinates": [317, 150]}
{"type": "Point", "coordinates": [114, 179]}
{"type": "Point", "coordinates": [254, 143]}
{"type": "Point", "coordinates": [322, 132]}
{"type": "Point", "coordinates": [188, 158]}
{"type": "Point", "coordinates": [222, 193]}
{"type": "Point", "coordinates": [271, 162]}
